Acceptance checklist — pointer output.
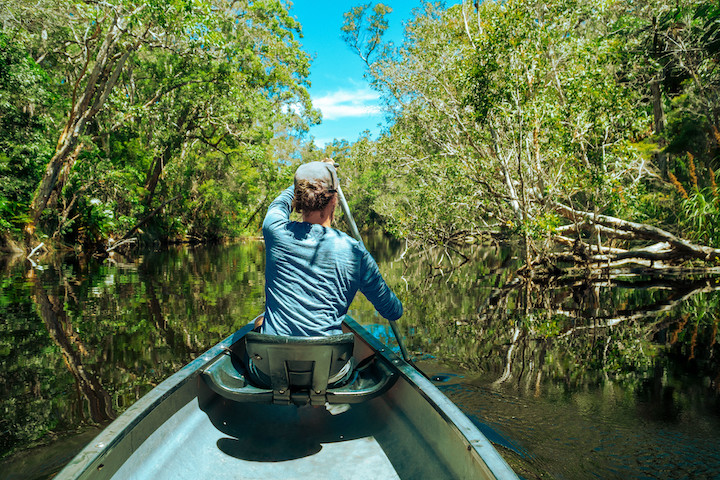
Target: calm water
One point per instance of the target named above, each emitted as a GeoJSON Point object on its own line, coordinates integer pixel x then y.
{"type": "Point", "coordinates": [570, 379]}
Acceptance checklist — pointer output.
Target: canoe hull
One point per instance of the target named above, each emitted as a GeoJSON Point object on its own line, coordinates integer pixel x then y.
{"type": "Point", "coordinates": [182, 429]}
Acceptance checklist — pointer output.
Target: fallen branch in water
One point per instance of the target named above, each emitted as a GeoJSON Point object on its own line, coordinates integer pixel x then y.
{"type": "Point", "coordinates": [34, 250]}
{"type": "Point", "coordinates": [586, 250]}
{"type": "Point", "coordinates": [120, 243]}
{"type": "Point", "coordinates": [614, 227]}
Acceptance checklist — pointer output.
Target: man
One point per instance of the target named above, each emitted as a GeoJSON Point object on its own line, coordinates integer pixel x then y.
{"type": "Point", "coordinates": [312, 270]}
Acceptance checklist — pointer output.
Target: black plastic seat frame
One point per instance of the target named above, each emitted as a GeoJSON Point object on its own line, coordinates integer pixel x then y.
{"type": "Point", "coordinates": [300, 367]}
{"type": "Point", "coordinates": [299, 363]}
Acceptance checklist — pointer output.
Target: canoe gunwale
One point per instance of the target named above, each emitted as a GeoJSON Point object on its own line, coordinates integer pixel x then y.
{"type": "Point", "coordinates": [90, 458]}
{"type": "Point", "coordinates": [477, 443]}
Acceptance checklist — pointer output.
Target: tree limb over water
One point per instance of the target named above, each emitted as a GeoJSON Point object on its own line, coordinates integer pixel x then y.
{"type": "Point", "coordinates": [584, 237]}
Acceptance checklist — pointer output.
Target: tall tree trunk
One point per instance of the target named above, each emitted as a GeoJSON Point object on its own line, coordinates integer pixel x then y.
{"type": "Point", "coordinates": [657, 53]}
{"type": "Point", "coordinates": [109, 63]}
{"type": "Point", "coordinates": [153, 176]}
{"type": "Point", "coordinates": [658, 111]}
{"type": "Point", "coordinates": [186, 122]}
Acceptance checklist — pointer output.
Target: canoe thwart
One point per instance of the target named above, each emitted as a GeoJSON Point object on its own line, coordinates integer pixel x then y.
{"type": "Point", "coordinates": [296, 370]}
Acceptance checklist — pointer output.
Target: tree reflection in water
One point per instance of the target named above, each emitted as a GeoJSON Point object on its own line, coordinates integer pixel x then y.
{"type": "Point", "coordinates": [81, 341]}
{"type": "Point", "coordinates": [566, 367]}
{"type": "Point", "coordinates": [484, 318]}
{"type": "Point", "coordinates": [540, 363]}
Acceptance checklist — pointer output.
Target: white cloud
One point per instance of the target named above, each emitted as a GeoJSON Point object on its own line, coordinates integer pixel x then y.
{"type": "Point", "coordinates": [321, 142]}
{"type": "Point", "coordinates": [347, 103]}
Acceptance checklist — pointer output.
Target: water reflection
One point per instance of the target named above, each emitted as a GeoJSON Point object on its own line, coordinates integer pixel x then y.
{"type": "Point", "coordinates": [80, 342]}
{"type": "Point", "coordinates": [571, 378]}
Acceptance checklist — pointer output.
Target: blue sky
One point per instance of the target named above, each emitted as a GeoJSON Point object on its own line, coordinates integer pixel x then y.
{"type": "Point", "coordinates": [338, 87]}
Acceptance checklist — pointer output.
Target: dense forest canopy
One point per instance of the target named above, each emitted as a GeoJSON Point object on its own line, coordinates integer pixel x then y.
{"type": "Point", "coordinates": [146, 118]}
{"type": "Point", "coordinates": [502, 110]}
{"type": "Point", "coordinates": [547, 121]}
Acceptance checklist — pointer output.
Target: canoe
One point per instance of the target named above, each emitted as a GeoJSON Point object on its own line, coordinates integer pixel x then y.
{"type": "Point", "coordinates": [208, 421]}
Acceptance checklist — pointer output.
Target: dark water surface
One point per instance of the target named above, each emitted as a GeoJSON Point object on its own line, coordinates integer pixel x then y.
{"type": "Point", "coordinates": [570, 379]}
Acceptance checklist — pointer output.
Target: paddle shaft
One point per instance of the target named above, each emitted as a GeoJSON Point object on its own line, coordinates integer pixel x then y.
{"type": "Point", "coordinates": [351, 221]}
{"type": "Point", "coordinates": [356, 233]}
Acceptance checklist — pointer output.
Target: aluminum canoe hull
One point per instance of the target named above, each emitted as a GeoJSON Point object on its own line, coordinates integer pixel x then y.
{"type": "Point", "coordinates": [183, 430]}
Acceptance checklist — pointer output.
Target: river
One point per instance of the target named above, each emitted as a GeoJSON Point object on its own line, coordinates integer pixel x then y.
{"type": "Point", "coordinates": [569, 378]}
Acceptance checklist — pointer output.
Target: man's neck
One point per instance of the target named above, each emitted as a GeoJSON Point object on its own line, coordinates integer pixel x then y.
{"type": "Point", "coordinates": [318, 217]}
{"type": "Point", "coordinates": [322, 217]}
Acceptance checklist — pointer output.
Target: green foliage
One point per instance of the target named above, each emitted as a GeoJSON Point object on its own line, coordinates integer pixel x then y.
{"type": "Point", "coordinates": [702, 218]}
{"type": "Point", "coordinates": [495, 111]}
{"type": "Point", "coordinates": [362, 30]}
{"type": "Point", "coordinates": [25, 128]}
{"type": "Point", "coordinates": [699, 217]}
{"type": "Point", "coordinates": [544, 224]}
{"type": "Point", "coordinates": [179, 140]}
{"type": "Point", "coordinates": [499, 111]}
{"type": "Point", "coordinates": [696, 194]}
{"type": "Point", "coordinates": [674, 46]}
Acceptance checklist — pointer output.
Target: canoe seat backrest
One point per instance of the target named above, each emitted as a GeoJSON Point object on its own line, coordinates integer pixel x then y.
{"type": "Point", "coordinates": [295, 364]}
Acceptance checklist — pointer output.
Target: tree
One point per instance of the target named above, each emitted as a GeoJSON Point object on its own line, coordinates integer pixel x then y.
{"type": "Point", "coordinates": [153, 82]}
{"type": "Point", "coordinates": [524, 118]}
{"type": "Point", "coordinates": [671, 54]}
{"type": "Point", "coordinates": [490, 113]}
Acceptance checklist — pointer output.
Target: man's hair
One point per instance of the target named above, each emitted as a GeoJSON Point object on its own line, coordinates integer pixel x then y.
{"type": "Point", "coordinates": [310, 197]}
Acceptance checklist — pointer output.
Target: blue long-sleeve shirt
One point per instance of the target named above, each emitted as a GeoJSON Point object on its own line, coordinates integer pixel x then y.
{"type": "Point", "coordinates": [312, 274]}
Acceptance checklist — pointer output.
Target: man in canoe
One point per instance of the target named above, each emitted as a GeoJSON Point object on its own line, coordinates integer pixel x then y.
{"type": "Point", "coordinates": [312, 270]}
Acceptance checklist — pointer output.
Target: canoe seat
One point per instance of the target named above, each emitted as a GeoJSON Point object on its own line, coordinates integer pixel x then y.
{"type": "Point", "coordinates": [295, 370]}
{"type": "Point", "coordinates": [295, 363]}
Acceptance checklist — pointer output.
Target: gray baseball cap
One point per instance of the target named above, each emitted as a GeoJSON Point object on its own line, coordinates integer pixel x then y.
{"type": "Point", "coordinates": [322, 173]}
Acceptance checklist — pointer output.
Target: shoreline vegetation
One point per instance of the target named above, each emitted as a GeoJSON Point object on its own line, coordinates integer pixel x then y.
{"type": "Point", "coordinates": [588, 131]}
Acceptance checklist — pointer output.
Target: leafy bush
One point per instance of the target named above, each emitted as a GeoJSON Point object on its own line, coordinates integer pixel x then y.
{"type": "Point", "coordinates": [25, 129]}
